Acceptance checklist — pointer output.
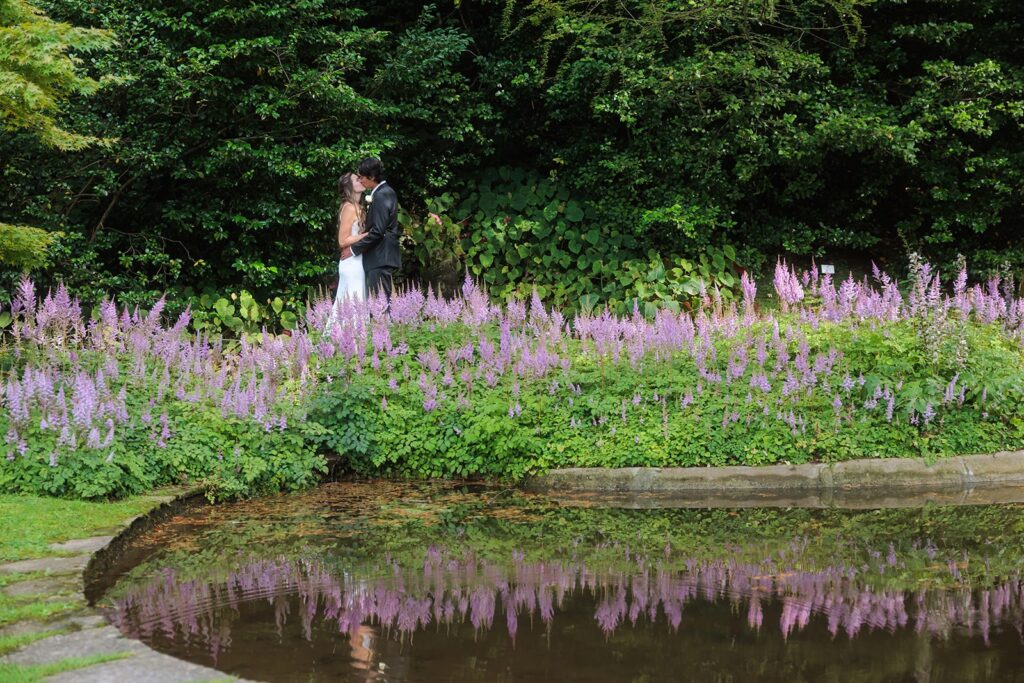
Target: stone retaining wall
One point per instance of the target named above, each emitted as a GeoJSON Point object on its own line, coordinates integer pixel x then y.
{"type": "Point", "coordinates": [892, 476]}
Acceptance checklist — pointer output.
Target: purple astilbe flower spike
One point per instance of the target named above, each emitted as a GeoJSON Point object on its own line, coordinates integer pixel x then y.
{"type": "Point", "coordinates": [950, 394]}
{"type": "Point", "coordinates": [787, 286]}
{"type": "Point", "coordinates": [749, 288]}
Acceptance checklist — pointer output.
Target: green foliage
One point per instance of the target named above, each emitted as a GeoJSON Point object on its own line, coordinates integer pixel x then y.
{"type": "Point", "coordinates": [242, 316]}
{"type": "Point", "coordinates": [228, 457]}
{"type": "Point", "coordinates": [528, 231]}
{"type": "Point", "coordinates": [433, 246]}
{"type": "Point", "coordinates": [812, 127]}
{"type": "Point", "coordinates": [23, 247]}
{"type": "Point", "coordinates": [517, 231]}
{"type": "Point", "coordinates": [234, 124]}
{"type": "Point", "coordinates": [799, 126]}
{"type": "Point", "coordinates": [664, 283]}
{"type": "Point", "coordinates": [346, 412]}
{"type": "Point", "coordinates": [38, 72]}
{"type": "Point", "coordinates": [635, 417]}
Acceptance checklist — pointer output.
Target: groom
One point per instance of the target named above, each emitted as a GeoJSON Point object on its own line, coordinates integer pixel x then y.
{"type": "Point", "coordinates": [381, 255]}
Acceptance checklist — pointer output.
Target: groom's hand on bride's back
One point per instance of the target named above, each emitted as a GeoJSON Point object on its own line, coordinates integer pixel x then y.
{"type": "Point", "coordinates": [346, 252]}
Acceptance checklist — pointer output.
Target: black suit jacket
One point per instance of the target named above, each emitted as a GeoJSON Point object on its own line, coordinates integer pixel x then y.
{"type": "Point", "coordinates": [380, 246]}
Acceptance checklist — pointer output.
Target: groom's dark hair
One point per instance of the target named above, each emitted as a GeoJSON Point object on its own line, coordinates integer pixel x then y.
{"type": "Point", "coordinates": [371, 167]}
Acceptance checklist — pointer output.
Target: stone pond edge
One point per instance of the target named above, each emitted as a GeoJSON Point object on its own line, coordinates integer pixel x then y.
{"type": "Point", "coordinates": [101, 560]}
{"type": "Point", "coordinates": [956, 473]}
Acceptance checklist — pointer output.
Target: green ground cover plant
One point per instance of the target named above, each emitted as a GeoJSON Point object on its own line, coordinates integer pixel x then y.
{"type": "Point", "coordinates": [842, 373]}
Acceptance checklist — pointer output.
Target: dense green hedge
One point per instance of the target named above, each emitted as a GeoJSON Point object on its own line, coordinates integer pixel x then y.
{"type": "Point", "coordinates": [832, 127]}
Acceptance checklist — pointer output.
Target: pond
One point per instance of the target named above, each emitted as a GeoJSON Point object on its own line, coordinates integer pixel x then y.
{"type": "Point", "coordinates": [414, 582]}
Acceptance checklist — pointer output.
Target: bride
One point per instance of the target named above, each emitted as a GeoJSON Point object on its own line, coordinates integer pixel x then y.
{"type": "Point", "coordinates": [351, 277]}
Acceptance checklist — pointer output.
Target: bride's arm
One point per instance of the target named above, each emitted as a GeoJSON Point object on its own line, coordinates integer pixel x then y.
{"type": "Point", "coordinates": [345, 221]}
{"type": "Point", "coordinates": [351, 239]}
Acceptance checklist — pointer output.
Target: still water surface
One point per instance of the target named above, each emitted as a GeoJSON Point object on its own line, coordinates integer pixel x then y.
{"type": "Point", "coordinates": [389, 582]}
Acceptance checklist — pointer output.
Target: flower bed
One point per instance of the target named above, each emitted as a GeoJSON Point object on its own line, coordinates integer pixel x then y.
{"type": "Point", "coordinates": [118, 402]}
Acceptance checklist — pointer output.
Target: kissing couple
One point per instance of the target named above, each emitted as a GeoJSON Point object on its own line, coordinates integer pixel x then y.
{"type": "Point", "coordinates": [367, 237]}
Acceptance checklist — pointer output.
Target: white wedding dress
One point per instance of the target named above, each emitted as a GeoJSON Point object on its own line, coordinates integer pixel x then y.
{"type": "Point", "coordinates": [351, 279]}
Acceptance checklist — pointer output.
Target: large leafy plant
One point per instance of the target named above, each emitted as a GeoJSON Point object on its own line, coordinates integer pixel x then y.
{"type": "Point", "coordinates": [520, 231]}
{"type": "Point", "coordinates": [240, 314]}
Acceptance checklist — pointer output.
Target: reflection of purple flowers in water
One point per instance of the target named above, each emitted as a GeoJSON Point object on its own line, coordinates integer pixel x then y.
{"type": "Point", "coordinates": [451, 589]}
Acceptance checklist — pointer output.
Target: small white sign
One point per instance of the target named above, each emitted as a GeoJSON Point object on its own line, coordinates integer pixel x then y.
{"type": "Point", "coordinates": [828, 270]}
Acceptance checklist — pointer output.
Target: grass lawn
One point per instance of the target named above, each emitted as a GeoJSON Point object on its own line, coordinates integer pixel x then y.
{"type": "Point", "coordinates": [28, 524]}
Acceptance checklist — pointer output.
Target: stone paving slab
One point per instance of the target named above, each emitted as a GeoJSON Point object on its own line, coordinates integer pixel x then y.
{"type": "Point", "coordinates": [105, 640]}
{"type": "Point", "coordinates": [54, 565]}
{"type": "Point", "coordinates": [142, 664]}
{"type": "Point", "coordinates": [150, 667]}
{"type": "Point", "coordinates": [87, 619]}
{"type": "Point", "coordinates": [47, 586]}
{"type": "Point", "coordinates": [27, 628]}
{"type": "Point", "coordinates": [82, 545]}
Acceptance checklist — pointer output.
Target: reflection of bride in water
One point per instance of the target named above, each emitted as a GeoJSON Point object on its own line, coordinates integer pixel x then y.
{"type": "Point", "coordinates": [363, 645]}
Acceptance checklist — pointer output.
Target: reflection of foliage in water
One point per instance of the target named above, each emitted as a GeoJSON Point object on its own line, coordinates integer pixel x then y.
{"type": "Point", "coordinates": [449, 588]}
{"type": "Point", "coordinates": [349, 524]}
{"type": "Point", "coordinates": [354, 553]}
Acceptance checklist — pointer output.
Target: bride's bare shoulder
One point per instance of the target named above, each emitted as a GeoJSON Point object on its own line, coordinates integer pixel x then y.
{"type": "Point", "coordinates": [348, 212]}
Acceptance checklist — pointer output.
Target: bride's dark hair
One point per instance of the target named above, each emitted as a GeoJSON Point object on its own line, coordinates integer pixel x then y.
{"type": "Point", "coordinates": [348, 194]}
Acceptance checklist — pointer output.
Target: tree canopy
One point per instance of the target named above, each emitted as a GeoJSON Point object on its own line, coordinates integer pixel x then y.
{"type": "Point", "coordinates": [808, 127]}
{"type": "Point", "coordinates": [37, 74]}
{"type": "Point", "coordinates": [38, 71]}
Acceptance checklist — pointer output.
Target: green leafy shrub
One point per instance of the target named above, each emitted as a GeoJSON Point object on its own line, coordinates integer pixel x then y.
{"type": "Point", "coordinates": [241, 315]}
{"type": "Point", "coordinates": [24, 247]}
{"type": "Point", "coordinates": [517, 231]}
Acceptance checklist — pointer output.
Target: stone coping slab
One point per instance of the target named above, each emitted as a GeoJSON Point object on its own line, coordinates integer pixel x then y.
{"type": "Point", "coordinates": [882, 480]}
{"type": "Point", "coordinates": [82, 545]}
{"type": "Point", "coordinates": [139, 664]}
{"type": "Point", "coordinates": [857, 499]}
